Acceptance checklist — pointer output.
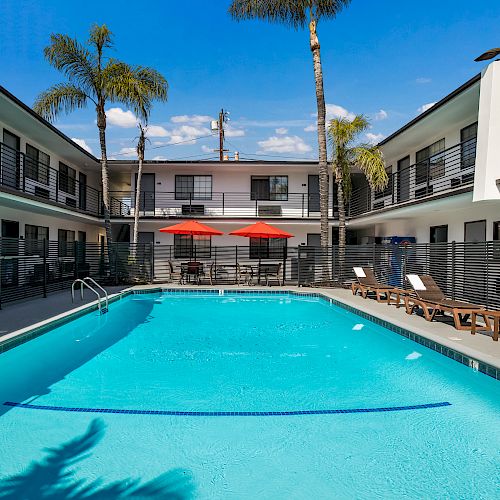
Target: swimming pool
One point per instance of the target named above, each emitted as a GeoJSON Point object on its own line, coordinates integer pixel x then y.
{"type": "Point", "coordinates": [242, 396]}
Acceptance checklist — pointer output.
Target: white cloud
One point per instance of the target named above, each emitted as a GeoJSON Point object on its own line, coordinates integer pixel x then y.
{"type": "Point", "coordinates": [82, 144]}
{"type": "Point", "coordinates": [282, 131]}
{"type": "Point", "coordinates": [121, 118]}
{"type": "Point", "coordinates": [423, 80]}
{"type": "Point", "coordinates": [425, 107]}
{"type": "Point", "coordinates": [381, 115]}
{"type": "Point", "coordinates": [207, 149]}
{"type": "Point", "coordinates": [159, 158]}
{"type": "Point", "coordinates": [193, 119]}
{"type": "Point", "coordinates": [311, 128]}
{"type": "Point", "coordinates": [374, 138]}
{"type": "Point", "coordinates": [127, 152]}
{"type": "Point", "coordinates": [233, 132]}
{"type": "Point", "coordinates": [156, 131]}
{"type": "Point", "coordinates": [336, 111]}
{"type": "Point", "coordinates": [287, 144]}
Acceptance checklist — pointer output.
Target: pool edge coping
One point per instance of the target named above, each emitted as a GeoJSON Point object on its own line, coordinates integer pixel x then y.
{"type": "Point", "coordinates": [473, 360]}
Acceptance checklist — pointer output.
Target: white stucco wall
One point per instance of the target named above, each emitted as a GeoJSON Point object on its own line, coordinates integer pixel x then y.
{"type": "Point", "coordinates": [488, 141]}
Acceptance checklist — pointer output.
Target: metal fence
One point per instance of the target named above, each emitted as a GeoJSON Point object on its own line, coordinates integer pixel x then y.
{"type": "Point", "coordinates": [464, 271]}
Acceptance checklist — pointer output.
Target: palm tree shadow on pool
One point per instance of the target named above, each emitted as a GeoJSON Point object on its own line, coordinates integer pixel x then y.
{"type": "Point", "coordinates": [53, 477]}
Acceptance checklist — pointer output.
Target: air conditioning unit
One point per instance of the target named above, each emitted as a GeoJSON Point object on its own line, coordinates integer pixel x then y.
{"type": "Point", "coordinates": [193, 209]}
{"type": "Point", "coordinates": [269, 210]}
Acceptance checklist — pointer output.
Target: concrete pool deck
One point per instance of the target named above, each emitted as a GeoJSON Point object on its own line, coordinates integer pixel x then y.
{"type": "Point", "coordinates": [17, 318]}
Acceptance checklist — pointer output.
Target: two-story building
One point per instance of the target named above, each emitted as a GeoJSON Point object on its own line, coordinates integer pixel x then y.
{"type": "Point", "coordinates": [443, 168]}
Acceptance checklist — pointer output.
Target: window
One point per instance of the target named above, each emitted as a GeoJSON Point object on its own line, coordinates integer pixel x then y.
{"type": "Point", "coordinates": [67, 178]}
{"type": "Point", "coordinates": [36, 165]}
{"type": "Point", "coordinates": [66, 240]}
{"type": "Point", "coordinates": [197, 247]}
{"type": "Point", "coordinates": [388, 190]}
{"type": "Point", "coordinates": [468, 139]}
{"type": "Point", "coordinates": [34, 236]}
{"type": "Point", "coordinates": [496, 231]}
{"type": "Point", "coordinates": [430, 162]}
{"type": "Point", "coordinates": [268, 248]}
{"type": "Point", "coordinates": [272, 188]}
{"type": "Point", "coordinates": [194, 187]}
{"type": "Point", "coordinates": [439, 234]}
{"type": "Point", "coordinates": [475, 231]}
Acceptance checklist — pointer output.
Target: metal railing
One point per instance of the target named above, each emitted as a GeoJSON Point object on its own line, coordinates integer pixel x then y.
{"type": "Point", "coordinates": [220, 204]}
{"type": "Point", "coordinates": [21, 173]}
{"type": "Point", "coordinates": [464, 271]}
{"type": "Point", "coordinates": [450, 170]}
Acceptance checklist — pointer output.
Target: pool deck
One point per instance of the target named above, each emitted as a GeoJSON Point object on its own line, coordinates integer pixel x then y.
{"type": "Point", "coordinates": [19, 317]}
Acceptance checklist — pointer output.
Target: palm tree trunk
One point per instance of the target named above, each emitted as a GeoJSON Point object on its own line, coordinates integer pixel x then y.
{"type": "Point", "coordinates": [137, 200]}
{"type": "Point", "coordinates": [323, 159]}
{"type": "Point", "coordinates": [101, 123]}
{"type": "Point", "coordinates": [342, 230]}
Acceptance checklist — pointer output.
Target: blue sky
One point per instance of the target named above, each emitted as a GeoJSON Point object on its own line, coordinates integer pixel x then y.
{"type": "Point", "coordinates": [385, 59]}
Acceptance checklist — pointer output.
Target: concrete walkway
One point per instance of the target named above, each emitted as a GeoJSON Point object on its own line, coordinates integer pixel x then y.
{"type": "Point", "coordinates": [17, 315]}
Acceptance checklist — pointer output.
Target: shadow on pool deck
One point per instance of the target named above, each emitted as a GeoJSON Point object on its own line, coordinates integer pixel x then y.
{"type": "Point", "coordinates": [17, 315]}
{"type": "Point", "coordinates": [53, 477]}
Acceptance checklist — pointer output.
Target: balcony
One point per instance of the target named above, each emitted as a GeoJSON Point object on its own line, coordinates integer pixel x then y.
{"type": "Point", "coordinates": [218, 205]}
{"type": "Point", "coordinates": [444, 173]}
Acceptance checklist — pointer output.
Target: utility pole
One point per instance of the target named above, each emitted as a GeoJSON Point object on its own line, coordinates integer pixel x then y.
{"type": "Point", "coordinates": [223, 118]}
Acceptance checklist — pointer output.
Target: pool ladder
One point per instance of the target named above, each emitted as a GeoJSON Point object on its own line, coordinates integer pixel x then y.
{"type": "Point", "coordinates": [84, 283]}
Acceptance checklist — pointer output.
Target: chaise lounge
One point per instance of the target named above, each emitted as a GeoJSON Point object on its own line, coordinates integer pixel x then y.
{"type": "Point", "coordinates": [430, 298]}
{"type": "Point", "coordinates": [368, 283]}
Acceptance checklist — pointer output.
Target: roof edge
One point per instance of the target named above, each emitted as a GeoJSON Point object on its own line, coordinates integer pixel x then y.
{"type": "Point", "coordinates": [49, 125]}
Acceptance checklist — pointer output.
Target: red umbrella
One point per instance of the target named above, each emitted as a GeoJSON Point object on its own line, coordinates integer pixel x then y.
{"type": "Point", "coordinates": [261, 230]}
{"type": "Point", "coordinates": [192, 228]}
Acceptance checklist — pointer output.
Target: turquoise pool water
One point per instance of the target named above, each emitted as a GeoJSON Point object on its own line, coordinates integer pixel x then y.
{"type": "Point", "coordinates": [432, 429]}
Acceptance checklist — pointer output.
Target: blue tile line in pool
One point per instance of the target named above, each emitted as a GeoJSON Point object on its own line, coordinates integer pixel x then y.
{"type": "Point", "coordinates": [228, 413]}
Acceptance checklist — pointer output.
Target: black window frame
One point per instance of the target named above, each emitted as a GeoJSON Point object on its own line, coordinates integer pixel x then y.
{"type": "Point", "coordinates": [256, 194]}
{"type": "Point", "coordinates": [32, 245]}
{"type": "Point", "coordinates": [67, 182]}
{"type": "Point", "coordinates": [36, 165]}
{"type": "Point", "coordinates": [65, 245]}
{"type": "Point", "coordinates": [202, 246]}
{"type": "Point", "coordinates": [430, 165]}
{"type": "Point", "coordinates": [268, 248]}
{"type": "Point", "coordinates": [468, 146]}
{"type": "Point", "coordinates": [188, 183]}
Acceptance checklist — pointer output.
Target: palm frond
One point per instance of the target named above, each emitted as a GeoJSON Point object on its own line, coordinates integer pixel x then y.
{"type": "Point", "coordinates": [100, 37]}
{"type": "Point", "coordinates": [69, 56]}
{"type": "Point", "coordinates": [371, 162]}
{"type": "Point", "coordinates": [60, 98]}
{"type": "Point", "coordinates": [295, 13]}
{"type": "Point", "coordinates": [135, 86]}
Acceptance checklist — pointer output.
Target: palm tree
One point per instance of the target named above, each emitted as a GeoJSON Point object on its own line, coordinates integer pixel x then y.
{"type": "Point", "coordinates": [299, 14]}
{"type": "Point", "coordinates": [141, 147]}
{"type": "Point", "coordinates": [348, 153]}
{"type": "Point", "coordinates": [93, 78]}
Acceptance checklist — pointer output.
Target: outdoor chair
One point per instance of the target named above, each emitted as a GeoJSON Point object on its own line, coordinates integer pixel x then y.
{"type": "Point", "coordinates": [367, 283]}
{"type": "Point", "coordinates": [432, 301]}
{"type": "Point", "coordinates": [191, 271]}
{"type": "Point", "coordinates": [244, 274]}
{"type": "Point", "coordinates": [172, 274]}
{"type": "Point", "coordinates": [272, 272]}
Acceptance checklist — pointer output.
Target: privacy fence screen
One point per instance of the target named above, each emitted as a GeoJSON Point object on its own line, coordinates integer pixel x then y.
{"type": "Point", "coordinates": [464, 271]}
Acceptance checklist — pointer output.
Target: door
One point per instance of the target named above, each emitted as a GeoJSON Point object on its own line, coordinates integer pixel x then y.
{"type": "Point", "coordinates": [147, 203]}
{"type": "Point", "coordinates": [82, 191]}
{"type": "Point", "coordinates": [404, 180]}
{"type": "Point", "coordinates": [10, 248]}
{"type": "Point", "coordinates": [438, 254]}
{"type": "Point", "coordinates": [313, 193]}
{"type": "Point", "coordinates": [10, 160]}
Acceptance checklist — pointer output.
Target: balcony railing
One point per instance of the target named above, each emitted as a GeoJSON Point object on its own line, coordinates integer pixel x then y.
{"type": "Point", "coordinates": [170, 204]}
{"type": "Point", "coordinates": [450, 170]}
{"type": "Point", "coordinates": [21, 173]}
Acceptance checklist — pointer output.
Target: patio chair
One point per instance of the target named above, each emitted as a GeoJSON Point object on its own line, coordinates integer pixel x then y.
{"type": "Point", "coordinates": [432, 301]}
{"type": "Point", "coordinates": [368, 283]}
{"type": "Point", "coordinates": [244, 274]}
{"type": "Point", "coordinates": [272, 272]}
{"type": "Point", "coordinates": [191, 270]}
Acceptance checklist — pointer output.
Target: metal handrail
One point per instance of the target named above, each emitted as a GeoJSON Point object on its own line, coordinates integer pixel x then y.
{"type": "Point", "coordinates": [100, 288]}
{"type": "Point", "coordinates": [82, 284]}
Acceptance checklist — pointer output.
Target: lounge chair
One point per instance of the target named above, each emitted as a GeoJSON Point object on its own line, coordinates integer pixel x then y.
{"type": "Point", "coordinates": [368, 283]}
{"type": "Point", "coordinates": [430, 298]}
